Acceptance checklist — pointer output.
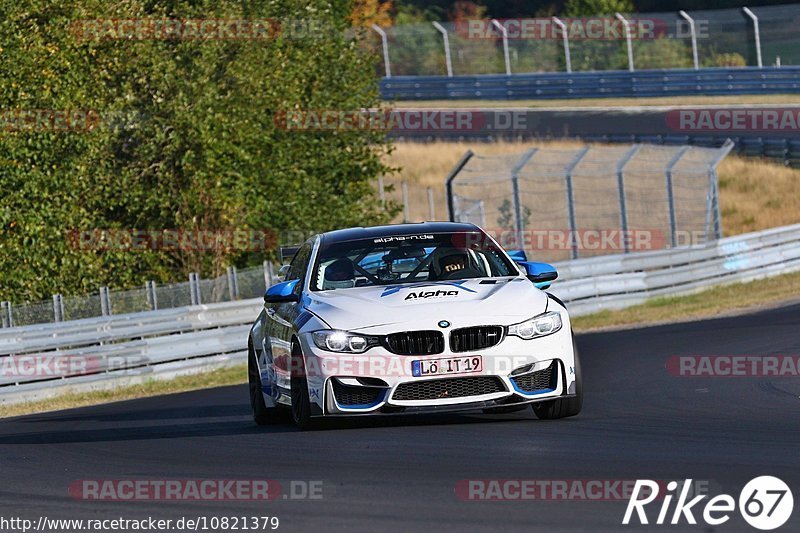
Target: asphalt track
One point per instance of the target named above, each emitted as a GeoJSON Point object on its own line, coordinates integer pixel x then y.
{"type": "Point", "coordinates": [399, 474]}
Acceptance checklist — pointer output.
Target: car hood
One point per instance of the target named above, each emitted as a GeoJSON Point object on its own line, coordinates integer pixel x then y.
{"type": "Point", "coordinates": [422, 305]}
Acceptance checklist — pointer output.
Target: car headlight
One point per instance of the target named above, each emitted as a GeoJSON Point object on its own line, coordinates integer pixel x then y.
{"type": "Point", "coordinates": [342, 341]}
{"type": "Point", "coordinates": [538, 326]}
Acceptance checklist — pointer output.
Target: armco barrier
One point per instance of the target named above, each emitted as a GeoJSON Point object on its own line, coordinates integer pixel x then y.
{"type": "Point", "coordinates": [661, 125]}
{"type": "Point", "coordinates": [605, 84]}
{"type": "Point", "coordinates": [619, 281]}
{"type": "Point", "coordinates": [124, 349]}
{"type": "Point", "coordinates": [128, 349]}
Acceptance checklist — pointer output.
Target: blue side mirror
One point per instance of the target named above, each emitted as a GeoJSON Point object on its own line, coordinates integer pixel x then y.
{"type": "Point", "coordinates": [518, 256]}
{"type": "Point", "coordinates": [282, 292]}
{"type": "Point", "coordinates": [541, 274]}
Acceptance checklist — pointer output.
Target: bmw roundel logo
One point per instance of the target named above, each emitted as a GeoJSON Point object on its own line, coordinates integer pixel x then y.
{"type": "Point", "coordinates": [444, 324]}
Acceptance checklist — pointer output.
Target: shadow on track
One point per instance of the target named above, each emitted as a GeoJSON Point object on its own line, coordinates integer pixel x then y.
{"type": "Point", "coordinates": [239, 423]}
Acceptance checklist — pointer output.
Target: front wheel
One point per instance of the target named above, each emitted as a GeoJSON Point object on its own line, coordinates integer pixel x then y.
{"type": "Point", "coordinates": [301, 404]}
{"type": "Point", "coordinates": [563, 407]}
{"type": "Point", "coordinates": [262, 415]}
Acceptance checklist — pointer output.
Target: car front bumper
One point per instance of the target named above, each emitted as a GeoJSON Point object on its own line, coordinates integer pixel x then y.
{"type": "Point", "coordinates": [379, 382]}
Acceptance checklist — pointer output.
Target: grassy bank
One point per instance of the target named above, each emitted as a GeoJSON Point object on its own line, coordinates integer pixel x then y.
{"type": "Point", "coordinates": [726, 299]}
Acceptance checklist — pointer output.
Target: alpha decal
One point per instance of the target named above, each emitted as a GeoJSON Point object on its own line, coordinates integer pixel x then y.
{"type": "Point", "coordinates": [404, 238]}
{"type": "Point", "coordinates": [430, 294]}
{"type": "Point", "coordinates": [388, 291]}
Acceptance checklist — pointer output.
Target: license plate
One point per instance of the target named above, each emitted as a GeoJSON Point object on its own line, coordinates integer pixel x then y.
{"type": "Point", "coordinates": [453, 365]}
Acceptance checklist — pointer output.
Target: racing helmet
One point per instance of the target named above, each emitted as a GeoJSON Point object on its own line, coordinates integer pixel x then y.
{"type": "Point", "coordinates": [340, 274]}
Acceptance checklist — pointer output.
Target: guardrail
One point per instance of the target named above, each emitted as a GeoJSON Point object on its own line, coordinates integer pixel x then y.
{"type": "Point", "coordinates": [606, 84]}
{"type": "Point", "coordinates": [106, 352]}
{"type": "Point", "coordinates": [46, 360]}
{"type": "Point", "coordinates": [619, 281]}
{"type": "Point", "coordinates": [660, 125]}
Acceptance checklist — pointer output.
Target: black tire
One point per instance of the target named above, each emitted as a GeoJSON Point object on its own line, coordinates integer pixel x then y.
{"type": "Point", "coordinates": [301, 404]}
{"type": "Point", "coordinates": [262, 415]}
{"type": "Point", "coordinates": [563, 407]}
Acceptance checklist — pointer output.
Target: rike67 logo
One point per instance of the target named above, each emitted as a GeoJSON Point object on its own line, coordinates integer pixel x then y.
{"type": "Point", "coordinates": [765, 503]}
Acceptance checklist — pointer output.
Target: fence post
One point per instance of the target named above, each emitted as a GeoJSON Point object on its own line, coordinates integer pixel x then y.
{"type": "Point", "coordinates": [105, 302]}
{"type": "Point", "coordinates": [518, 222]}
{"type": "Point", "coordinates": [565, 39]}
{"type": "Point", "coordinates": [628, 39]}
{"type": "Point", "coordinates": [233, 283]}
{"type": "Point", "coordinates": [8, 318]}
{"type": "Point", "coordinates": [381, 191]}
{"type": "Point", "coordinates": [385, 43]}
{"type": "Point", "coordinates": [503, 30]}
{"type": "Point", "coordinates": [451, 208]}
{"type": "Point", "coordinates": [713, 190]}
{"type": "Point", "coordinates": [623, 209]}
{"type": "Point", "coordinates": [757, 32]}
{"type": "Point", "coordinates": [269, 274]}
{"type": "Point", "coordinates": [194, 288]}
{"type": "Point", "coordinates": [673, 223]}
{"type": "Point", "coordinates": [690, 20]}
{"type": "Point", "coordinates": [58, 308]}
{"type": "Point", "coordinates": [431, 205]}
{"type": "Point", "coordinates": [446, 39]}
{"type": "Point", "coordinates": [571, 198]}
{"type": "Point", "coordinates": [152, 299]}
{"type": "Point", "coordinates": [404, 188]}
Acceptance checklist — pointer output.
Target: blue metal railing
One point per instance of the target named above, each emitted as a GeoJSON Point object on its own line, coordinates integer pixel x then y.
{"type": "Point", "coordinates": [605, 84]}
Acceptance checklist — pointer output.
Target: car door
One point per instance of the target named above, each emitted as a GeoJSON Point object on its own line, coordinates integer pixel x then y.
{"type": "Point", "coordinates": [281, 316]}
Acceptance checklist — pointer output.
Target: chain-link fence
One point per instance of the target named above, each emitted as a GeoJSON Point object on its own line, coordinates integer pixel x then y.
{"type": "Point", "coordinates": [234, 285]}
{"type": "Point", "coordinates": [559, 204]}
{"type": "Point", "coordinates": [712, 38]}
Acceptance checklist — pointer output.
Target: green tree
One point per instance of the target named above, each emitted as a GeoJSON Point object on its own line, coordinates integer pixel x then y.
{"type": "Point", "coordinates": [591, 8]}
{"type": "Point", "coordinates": [203, 149]}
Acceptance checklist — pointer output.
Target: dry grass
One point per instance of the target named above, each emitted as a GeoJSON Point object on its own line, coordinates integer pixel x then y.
{"type": "Point", "coordinates": [726, 299]}
{"type": "Point", "coordinates": [233, 375]}
{"type": "Point", "coordinates": [754, 193]}
{"type": "Point", "coordinates": [771, 99]}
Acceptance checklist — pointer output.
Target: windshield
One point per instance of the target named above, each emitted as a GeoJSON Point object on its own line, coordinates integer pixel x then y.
{"type": "Point", "coordinates": [407, 259]}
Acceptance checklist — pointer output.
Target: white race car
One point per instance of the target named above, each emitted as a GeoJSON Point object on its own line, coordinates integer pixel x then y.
{"type": "Point", "coordinates": [411, 318]}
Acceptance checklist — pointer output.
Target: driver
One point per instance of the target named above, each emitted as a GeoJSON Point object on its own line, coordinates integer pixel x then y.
{"type": "Point", "coordinates": [452, 263]}
{"type": "Point", "coordinates": [339, 275]}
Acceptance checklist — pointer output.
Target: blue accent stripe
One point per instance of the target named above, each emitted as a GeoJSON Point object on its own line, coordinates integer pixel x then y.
{"type": "Point", "coordinates": [302, 319]}
{"type": "Point", "coordinates": [362, 405]}
{"type": "Point", "coordinates": [534, 393]}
